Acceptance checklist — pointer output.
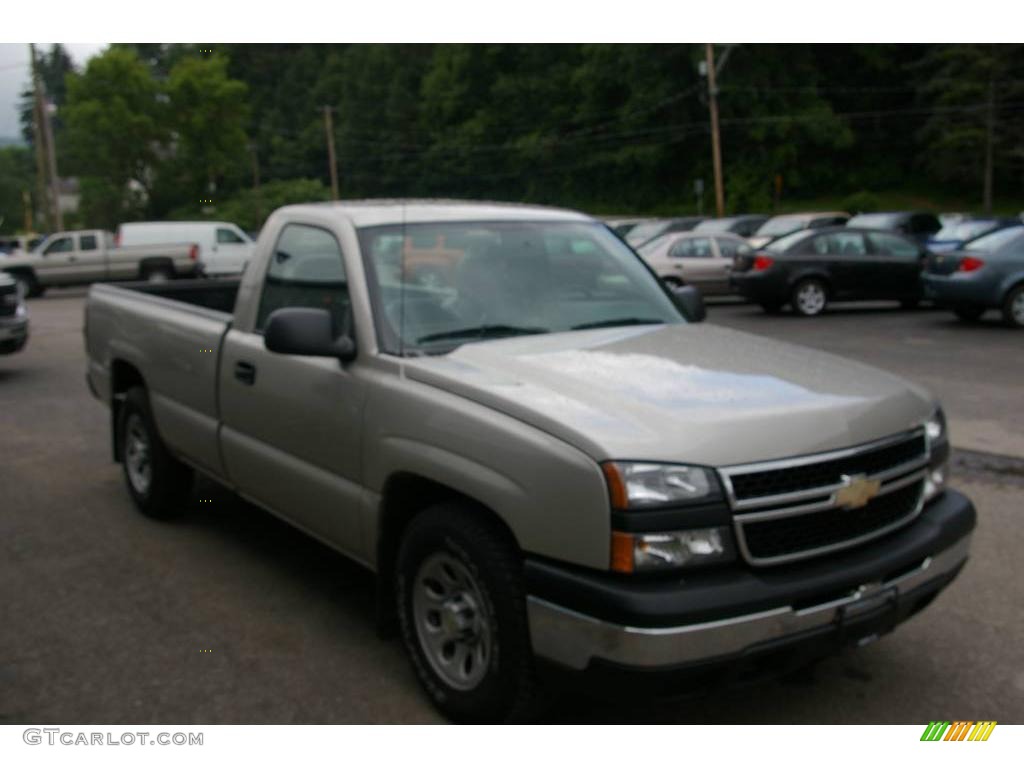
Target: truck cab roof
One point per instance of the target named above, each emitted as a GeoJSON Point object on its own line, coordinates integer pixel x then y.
{"type": "Point", "coordinates": [371, 213]}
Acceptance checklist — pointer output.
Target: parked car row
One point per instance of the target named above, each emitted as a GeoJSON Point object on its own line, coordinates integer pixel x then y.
{"type": "Point", "coordinates": [13, 317]}
{"type": "Point", "coordinates": [807, 260]}
{"type": "Point", "coordinates": [154, 251]}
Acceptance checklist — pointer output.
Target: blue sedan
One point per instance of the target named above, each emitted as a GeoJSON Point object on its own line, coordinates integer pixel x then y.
{"type": "Point", "coordinates": [987, 274]}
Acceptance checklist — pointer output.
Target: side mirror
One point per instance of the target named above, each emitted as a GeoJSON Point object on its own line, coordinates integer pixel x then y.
{"type": "Point", "coordinates": [302, 331]}
{"type": "Point", "coordinates": [689, 301]}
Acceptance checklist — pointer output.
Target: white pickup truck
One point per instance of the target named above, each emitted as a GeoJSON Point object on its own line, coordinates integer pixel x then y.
{"type": "Point", "coordinates": [90, 256]}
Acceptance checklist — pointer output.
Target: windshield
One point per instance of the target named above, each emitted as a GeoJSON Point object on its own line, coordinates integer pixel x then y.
{"type": "Point", "coordinates": [436, 286]}
{"type": "Point", "coordinates": [783, 243]}
{"type": "Point", "coordinates": [994, 241]}
{"type": "Point", "coordinates": [782, 225]}
{"type": "Point", "coordinates": [715, 225]}
{"type": "Point", "coordinates": [964, 230]}
{"type": "Point", "coordinates": [641, 233]}
{"type": "Point", "coordinates": [874, 220]}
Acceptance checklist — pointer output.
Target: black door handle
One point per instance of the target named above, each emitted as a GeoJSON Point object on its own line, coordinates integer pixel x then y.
{"type": "Point", "coordinates": [245, 372]}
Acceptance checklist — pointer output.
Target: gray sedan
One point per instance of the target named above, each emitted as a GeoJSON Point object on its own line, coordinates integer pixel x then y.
{"type": "Point", "coordinates": [695, 258]}
{"type": "Point", "coordinates": [987, 274]}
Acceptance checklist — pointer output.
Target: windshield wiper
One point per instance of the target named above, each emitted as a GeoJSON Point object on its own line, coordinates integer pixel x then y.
{"type": "Point", "coordinates": [619, 321]}
{"type": "Point", "coordinates": [481, 332]}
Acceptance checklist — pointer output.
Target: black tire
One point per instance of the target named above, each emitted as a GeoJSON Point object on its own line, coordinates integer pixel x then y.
{"type": "Point", "coordinates": [461, 536]}
{"type": "Point", "coordinates": [673, 282]}
{"type": "Point", "coordinates": [969, 314]}
{"type": "Point", "coordinates": [1013, 307]}
{"type": "Point", "coordinates": [28, 286]}
{"type": "Point", "coordinates": [158, 274]}
{"type": "Point", "coordinates": [812, 286]}
{"type": "Point", "coordinates": [170, 481]}
{"type": "Point", "coordinates": [910, 303]}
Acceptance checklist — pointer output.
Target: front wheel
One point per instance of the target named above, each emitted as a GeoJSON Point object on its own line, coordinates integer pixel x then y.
{"type": "Point", "coordinates": [462, 613]}
{"type": "Point", "coordinates": [809, 297]}
{"type": "Point", "coordinates": [158, 483]}
{"type": "Point", "coordinates": [1013, 308]}
{"type": "Point", "coordinates": [159, 275]}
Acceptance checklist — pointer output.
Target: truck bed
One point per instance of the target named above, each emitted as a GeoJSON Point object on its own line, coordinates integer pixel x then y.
{"type": "Point", "coordinates": [168, 335]}
{"type": "Point", "coordinates": [218, 295]}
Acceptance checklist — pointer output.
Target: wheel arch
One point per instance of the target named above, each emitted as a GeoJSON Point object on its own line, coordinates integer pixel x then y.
{"type": "Point", "coordinates": [123, 377]}
{"type": "Point", "coordinates": [405, 495]}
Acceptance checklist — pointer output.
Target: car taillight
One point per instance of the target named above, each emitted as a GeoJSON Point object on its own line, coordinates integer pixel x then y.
{"type": "Point", "coordinates": [762, 262]}
{"type": "Point", "coordinates": [970, 264]}
{"type": "Point", "coordinates": [193, 252]}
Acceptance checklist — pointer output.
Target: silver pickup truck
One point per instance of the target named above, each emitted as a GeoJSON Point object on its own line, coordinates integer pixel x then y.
{"type": "Point", "coordinates": [89, 256]}
{"type": "Point", "coordinates": [547, 463]}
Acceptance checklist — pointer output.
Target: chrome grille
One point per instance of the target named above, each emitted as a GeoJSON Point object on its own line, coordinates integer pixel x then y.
{"type": "Point", "coordinates": [797, 508]}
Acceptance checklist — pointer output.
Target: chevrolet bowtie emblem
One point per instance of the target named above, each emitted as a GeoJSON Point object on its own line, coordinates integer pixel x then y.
{"type": "Point", "coordinates": [857, 491]}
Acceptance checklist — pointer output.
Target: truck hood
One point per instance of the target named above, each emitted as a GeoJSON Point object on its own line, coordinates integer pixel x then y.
{"type": "Point", "coordinates": [701, 394]}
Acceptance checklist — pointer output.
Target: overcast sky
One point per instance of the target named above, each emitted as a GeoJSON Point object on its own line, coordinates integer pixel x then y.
{"type": "Point", "coordinates": [14, 76]}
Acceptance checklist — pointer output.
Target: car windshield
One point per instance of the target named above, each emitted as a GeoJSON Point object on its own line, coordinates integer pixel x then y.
{"type": "Point", "coordinates": [964, 230]}
{"type": "Point", "coordinates": [715, 225]}
{"type": "Point", "coordinates": [994, 241]}
{"type": "Point", "coordinates": [783, 243]}
{"type": "Point", "coordinates": [782, 225]}
{"type": "Point", "coordinates": [436, 286]}
{"type": "Point", "coordinates": [641, 233]}
{"type": "Point", "coordinates": [873, 220]}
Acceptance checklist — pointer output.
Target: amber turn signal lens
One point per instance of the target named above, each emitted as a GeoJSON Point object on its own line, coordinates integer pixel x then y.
{"type": "Point", "coordinates": [616, 487]}
{"type": "Point", "coordinates": [622, 552]}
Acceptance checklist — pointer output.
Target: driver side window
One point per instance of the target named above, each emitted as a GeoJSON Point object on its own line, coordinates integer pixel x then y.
{"type": "Point", "coordinates": [306, 270]}
{"type": "Point", "coordinates": [61, 245]}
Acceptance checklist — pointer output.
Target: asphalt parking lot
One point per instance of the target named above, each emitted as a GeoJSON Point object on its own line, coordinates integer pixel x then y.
{"type": "Point", "coordinates": [229, 616]}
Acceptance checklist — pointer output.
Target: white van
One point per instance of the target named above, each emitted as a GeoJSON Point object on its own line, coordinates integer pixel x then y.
{"type": "Point", "coordinates": [224, 249]}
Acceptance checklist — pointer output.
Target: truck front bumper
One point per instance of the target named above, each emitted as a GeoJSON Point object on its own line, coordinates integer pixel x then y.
{"type": "Point", "coordinates": [730, 614]}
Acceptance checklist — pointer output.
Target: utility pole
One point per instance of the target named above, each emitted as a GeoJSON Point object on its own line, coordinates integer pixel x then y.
{"type": "Point", "coordinates": [39, 140]}
{"type": "Point", "coordinates": [329, 127]}
{"type": "Point", "coordinates": [716, 146]}
{"type": "Point", "coordinates": [44, 119]}
{"type": "Point", "coordinates": [990, 129]}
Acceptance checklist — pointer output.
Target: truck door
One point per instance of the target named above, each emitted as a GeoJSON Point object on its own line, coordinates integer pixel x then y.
{"type": "Point", "coordinates": [56, 265]}
{"type": "Point", "coordinates": [91, 259]}
{"type": "Point", "coordinates": [292, 425]}
{"type": "Point", "coordinates": [230, 252]}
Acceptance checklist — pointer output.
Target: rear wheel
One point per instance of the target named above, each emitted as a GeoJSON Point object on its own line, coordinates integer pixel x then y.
{"type": "Point", "coordinates": [809, 297]}
{"type": "Point", "coordinates": [462, 613]}
{"type": "Point", "coordinates": [27, 285]}
{"type": "Point", "coordinates": [158, 275]}
{"type": "Point", "coordinates": [158, 483]}
{"type": "Point", "coordinates": [1013, 307]}
{"type": "Point", "coordinates": [969, 314]}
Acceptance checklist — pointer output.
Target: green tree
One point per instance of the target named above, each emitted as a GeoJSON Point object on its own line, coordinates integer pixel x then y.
{"type": "Point", "coordinates": [114, 131]}
{"type": "Point", "coordinates": [207, 113]}
{"type": "Point", "coordinates": [17, 176]}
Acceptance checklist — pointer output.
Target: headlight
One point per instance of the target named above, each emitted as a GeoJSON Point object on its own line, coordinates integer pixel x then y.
{"type": "Point", "coordinates": [936, 434]}
{"type": "Point", "coordinates": [935, 427]}
{"type": "Point", "coordinates": [670, 549]}
{"type": "Point", "coordinates": [633, 485]}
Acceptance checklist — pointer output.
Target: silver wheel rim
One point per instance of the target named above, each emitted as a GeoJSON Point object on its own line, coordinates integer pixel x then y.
{"type": "Point", "coordinates": [137, 455]}
{"type": "Point", "coordinates": [157, 277]}
{"type": "Point", "coordinates": [1017, 308]}
{"type": "Point", "coordinates": [452, 621]}
{"type": "Point", "coordinates": [810, 298]}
